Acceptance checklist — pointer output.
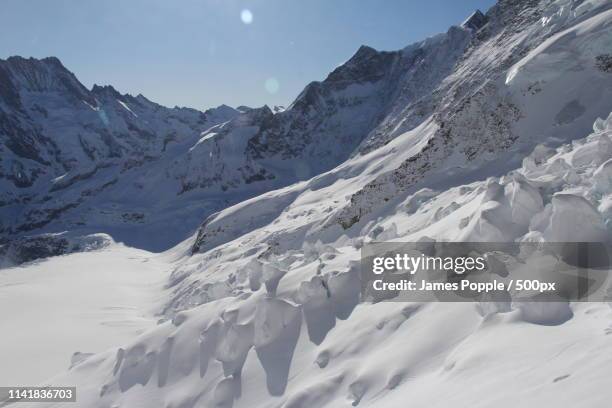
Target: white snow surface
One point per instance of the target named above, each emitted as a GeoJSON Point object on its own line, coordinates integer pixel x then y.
{"type": "Point", "coordinates": [85, 302]}
{"type": "Point", "coordinates": [260, 307]}
{"type": "Point", "coordinates": [267, 315]}
{"type": "Point", "coordinates": [98, 161]}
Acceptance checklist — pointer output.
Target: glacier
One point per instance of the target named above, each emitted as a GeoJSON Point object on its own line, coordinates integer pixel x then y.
{"type": "Point", "coordinates": [496, 130]}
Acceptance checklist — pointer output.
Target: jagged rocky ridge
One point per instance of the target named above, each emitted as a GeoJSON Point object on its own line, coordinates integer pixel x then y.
{"type": "Point", "coordinates": [31, 248]}
{"type": "Point", "coordinates": [491, 108]}
{"type": "Point", "coordinates": [262, 305]}
{"type": "Point", "coordinates": [72, 158]}
{"type": "Point", "coordinates": [62, 145]}
{"type": "Point", "coordinates": [118, 141]}
{"type": "Point", "coordinates": [271, 316]}
{"type": "Point", "coordinates": [71, 151]}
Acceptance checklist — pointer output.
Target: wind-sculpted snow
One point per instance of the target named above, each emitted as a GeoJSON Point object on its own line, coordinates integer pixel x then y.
{"type": "Point", "coordinates": [546, 96]}
{"type": "Point", "coordinates": [98, 161]}
{"type": "Point", "coordinates": [69, 152]}
{"type": "Point", "coordinates": [262, 304]}
{"type": "Point", "coordinates": [291, 332]}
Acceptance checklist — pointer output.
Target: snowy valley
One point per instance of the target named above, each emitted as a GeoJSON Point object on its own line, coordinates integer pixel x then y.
{"type": "Point", "coordinates": [216, 255]}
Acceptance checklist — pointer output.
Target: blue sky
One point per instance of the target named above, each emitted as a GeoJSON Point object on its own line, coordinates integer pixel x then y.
{"type": "Point", "coordinates": [201, 53]}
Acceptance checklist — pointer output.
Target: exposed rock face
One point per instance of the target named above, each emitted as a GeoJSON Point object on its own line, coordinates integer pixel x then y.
{"type": "Point", "coordinates": [475, 21]}
{"type": "Point", "coordinates": [264, 305]}
{"type": "Point", "coordinates": [78, 159]}
{"type": "Point", "coordinates": [604, 62]}
{"type": "Point", "coordinates": [31, 248]}
{"type": "Point", "coordinates": [69, 149]}
{"type": "Point", "coordinates": [61, 144]}
{"type": "Point", "coordinates": [361, 105]}
{"type": "Point", "coordinates": [484, 111]}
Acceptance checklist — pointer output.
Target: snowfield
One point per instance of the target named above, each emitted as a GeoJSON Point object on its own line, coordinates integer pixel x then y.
{"type": "Point", "coordinates": [272, 317]}
{"type": "Point", "coordinates": [84, 302]}
{"type": "Point", "coordinates": [499, 130]}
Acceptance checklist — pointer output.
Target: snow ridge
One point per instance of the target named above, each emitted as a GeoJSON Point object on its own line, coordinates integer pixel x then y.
{"type": "Point", "coordinates": [508, 139]}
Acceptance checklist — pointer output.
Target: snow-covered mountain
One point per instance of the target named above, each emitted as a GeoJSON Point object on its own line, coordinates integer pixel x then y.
{"type": "Point", "coordinates": [75, 158]}
{"type": "Point", "coordinates": [272, 317]}
{"type": "Point", "coordinates": [82, 150]}
{"type": "Point", "coordinates": [62, 145]}
{"type": "Point", "coordinates": [497, 130]}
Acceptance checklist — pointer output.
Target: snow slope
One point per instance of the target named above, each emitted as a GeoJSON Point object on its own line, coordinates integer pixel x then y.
{"type": "Point", "coordinates": [62, 146]}
{"type": "Point", "coordinates": [98, 161]}
{"type": "Point", "coordinates": [271, 317]}
{"type": "Point", "coordinates": [84, 302]}
{"type": "Point", "coordinates": [261, 305]}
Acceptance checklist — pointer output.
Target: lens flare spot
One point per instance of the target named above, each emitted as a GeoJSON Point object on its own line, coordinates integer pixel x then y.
{"type": "Point", "coordinates": [246, 16]}
{"type": "Point", "coordinates": [271, 85]}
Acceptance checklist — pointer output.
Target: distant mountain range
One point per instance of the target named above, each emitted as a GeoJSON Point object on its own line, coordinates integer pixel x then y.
{"type": "Point", "coordinates": [499, 130]}
{"type": "Point", "coordinates": [88, 161]}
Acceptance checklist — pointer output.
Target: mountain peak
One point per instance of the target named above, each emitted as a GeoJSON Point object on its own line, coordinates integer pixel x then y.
{"type": "Point", "coordinates": [475, 21]}
{"type": "Point", "coordinates": [366, 65]}
{"type": "Point", "coordinates": [365, 50]}
{"type": "Point", "coordinates": [54, 61]}
{"type": "Point", "coordinates": [224, 107]}
{"type": "Point", "coordinates": [18, 59]}
{"type": "Point", "coordinates": [48, 64]}
{"type": "Point", "coordinates": [106, 90]}
{"type": "Point", "coordinates": [42, 75]}
{"type": "Point", "coordinates": [243, 108]}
